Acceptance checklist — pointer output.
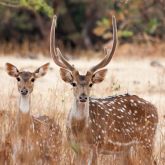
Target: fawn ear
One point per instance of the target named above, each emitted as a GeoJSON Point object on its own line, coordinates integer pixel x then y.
{"type": "Point", "coordinates": [12, 70]}
{"type": "Point", "coordinates": [99, 76]}
{"type": "Point", "coordinates": [41, 71]}
{"type": "Point", "coordinates": [66, 75]}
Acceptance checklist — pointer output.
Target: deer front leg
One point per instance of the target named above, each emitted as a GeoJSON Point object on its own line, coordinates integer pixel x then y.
{"type": "Point", "coordinates": [89, 157]}
{"type": "Point", "coordinates": [146, 155]}
{"type": "Point", "coordinates": [80, 159]}
{"type": "Point", "coordinates": [128, 159]}
{"type": "Point", "coordinates": [93, 157]}
{"type": "Point", "coordinates": [85, 156]}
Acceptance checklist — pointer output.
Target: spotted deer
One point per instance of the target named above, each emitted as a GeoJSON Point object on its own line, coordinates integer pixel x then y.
{"type": "Point", "coordinates": [34, 140]}
{"type": "Point", "coordinates": [113, 124]}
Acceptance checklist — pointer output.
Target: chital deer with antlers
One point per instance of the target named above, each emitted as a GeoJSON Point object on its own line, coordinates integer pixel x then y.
{"type": "Point", "coordinates": [104, 125]}
{"type": "Point", "coordinates": [32, 140]}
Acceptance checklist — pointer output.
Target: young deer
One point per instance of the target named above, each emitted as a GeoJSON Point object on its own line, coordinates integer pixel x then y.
{"type": "Point", "coordinates": [104, 125]}
{"type": "Point", "coordinates": [32, 140]}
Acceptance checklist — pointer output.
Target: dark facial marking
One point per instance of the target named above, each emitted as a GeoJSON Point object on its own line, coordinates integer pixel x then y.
{"type": "Point", "coordinates": [25, 75]}
{"type": "Point", "coordinates": [82, 80]}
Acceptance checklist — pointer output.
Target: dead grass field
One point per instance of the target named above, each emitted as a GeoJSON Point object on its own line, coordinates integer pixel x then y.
{"type": "Point", "coordinates": [52, 96]}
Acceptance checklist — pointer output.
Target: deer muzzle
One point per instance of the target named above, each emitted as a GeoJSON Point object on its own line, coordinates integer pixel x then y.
{"type": "Point", "coordinates": [83, 97]}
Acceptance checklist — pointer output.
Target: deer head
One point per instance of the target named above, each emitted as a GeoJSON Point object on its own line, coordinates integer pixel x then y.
{"type": "Point", "coordinates": [25, 79]}
{"type": "Point", "coordinates": [82, 84]}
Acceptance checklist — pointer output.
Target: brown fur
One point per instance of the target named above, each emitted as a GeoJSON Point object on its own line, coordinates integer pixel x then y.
{"type": "Point", "coordinates": [114, 124]}
{"type": "Point", "coordinates": [105, 125]}
{"type": "Point", "coordinates": [137, 122]}
{"type": "Point", "coordinates": [31, 140]}
{"type": "Point", "coordinates": [42, 135]}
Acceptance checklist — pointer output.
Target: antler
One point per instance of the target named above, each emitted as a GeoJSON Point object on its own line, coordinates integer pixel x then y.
{"type": "Point", "coordinates": [61, 61]}
{"type": "Point", "coordinates": [55, 52]}
{"type": "Point", "coordinates": [110, 54]}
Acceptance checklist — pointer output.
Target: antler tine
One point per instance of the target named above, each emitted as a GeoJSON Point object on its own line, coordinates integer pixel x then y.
{"type": "Point", "coordinates": [109, 54]}
{"type": "Point", "coordinates": [55, 52]}
{"type": "Point", "coordinates": [63, 59]}
{"type": "Point", "coordinates": [52, 44]}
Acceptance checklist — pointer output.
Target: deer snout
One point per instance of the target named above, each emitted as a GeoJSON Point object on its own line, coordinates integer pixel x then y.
{"type": "Point", "coordinates": [24, 91]}
{"type": "Point", "coordinates": [83, 97]}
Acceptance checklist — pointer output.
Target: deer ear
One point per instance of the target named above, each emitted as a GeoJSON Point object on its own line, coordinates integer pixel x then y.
{"type": "Point", "coordinates": [12, 70]}
{"type": "Point", "coordinates": [41, 71]}
{"type": "Point", "coordinates": [99, 76]}
{"type": "Point", "coordinates": [66, 75]}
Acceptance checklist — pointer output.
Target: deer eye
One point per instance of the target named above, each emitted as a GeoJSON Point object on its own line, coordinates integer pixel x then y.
{"type": "Point", "coordinates": [18, 79]}
{"type": "Point", "coordinates": [73, 84]}
{"type": "Point", "coordinates": [32, 80]}
{"type": "Point", "coordinates": [90, 85]}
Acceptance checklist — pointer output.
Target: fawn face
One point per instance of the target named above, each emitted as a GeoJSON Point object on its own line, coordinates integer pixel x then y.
{"type": "Point", "coordinates": [82, 84]}
{"type": "Point", "coordinates": [25, 79]}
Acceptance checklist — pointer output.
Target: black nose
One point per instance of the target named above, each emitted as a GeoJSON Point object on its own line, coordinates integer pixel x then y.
{"type": "Point", "coordinates": [83, 97]}
{"type": "Point", "coordinates": [24, 91]}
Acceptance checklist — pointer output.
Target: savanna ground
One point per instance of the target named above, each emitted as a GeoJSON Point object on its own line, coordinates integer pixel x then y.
{"type": "Point", "coordinates": [51, 96]}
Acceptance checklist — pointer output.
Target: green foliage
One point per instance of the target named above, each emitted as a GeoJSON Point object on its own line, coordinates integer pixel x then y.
{"type": "Point", "coordinates": [133, 18]}
{"type": "Point", "coordinates": [125, 33]}
{"type": "Point", "coordinates": [104, 22]}
{"type": "Point", "coordinates": [103, 27]}
{"type": "Point", "coordinates": [22, 22]}
{"type": "Point", "coordinates": [152, 26]}
{"type": "Point", "coordinates": [84, 23]}
{"type": "Point", "coordinates": [37, 5]}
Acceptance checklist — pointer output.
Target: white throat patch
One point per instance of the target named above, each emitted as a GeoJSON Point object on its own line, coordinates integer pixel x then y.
{"type": "Point", "coordinates": [80, 110]}
{"type": "Point", "coordinates": [24, 104]}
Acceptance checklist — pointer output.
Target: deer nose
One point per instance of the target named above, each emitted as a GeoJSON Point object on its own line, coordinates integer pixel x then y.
{"type": "Point", "coordinates": [24, 91]}
{"type": "Point", "coordinates": [83, 97]}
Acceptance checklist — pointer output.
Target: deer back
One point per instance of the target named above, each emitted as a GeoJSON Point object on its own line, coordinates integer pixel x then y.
{"type": "Point", "coordinates": [41, 143]}
{"type": "Point", "coordinates": [121, 120]}
{"type": "Point", "coordinates": [50, 138]}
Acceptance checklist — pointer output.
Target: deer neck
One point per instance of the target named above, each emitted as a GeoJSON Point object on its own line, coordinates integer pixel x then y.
{"type": "Point", "coordinates": [24, 104]}
{"type": "Point", "coordinates": [80, 110]}
{"type": "Point", "coordinates": [78, 122]}
{"type": "Point", "coordinates": [24, 118]}
{"type": "Point", "coordinates": [79, 114]}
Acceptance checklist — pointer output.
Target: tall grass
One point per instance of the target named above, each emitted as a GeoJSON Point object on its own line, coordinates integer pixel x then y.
{"type": "Point", "coordinates": [55, 100]}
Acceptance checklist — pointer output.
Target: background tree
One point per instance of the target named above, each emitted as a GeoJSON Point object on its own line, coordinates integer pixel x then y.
{"type": "Point", "coordinates": [81, 23]}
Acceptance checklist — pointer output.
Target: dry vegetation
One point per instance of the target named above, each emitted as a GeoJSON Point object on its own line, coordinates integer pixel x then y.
{"type": "Point", "coordinates": [53, 97]}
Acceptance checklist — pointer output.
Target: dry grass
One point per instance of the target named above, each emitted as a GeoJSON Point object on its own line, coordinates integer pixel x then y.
{"type": "Point", "coordinates": [53, 97]}
{"type": "Point", "coordinates": [25, 49]}
{"type": "Point", "coordinates": [32, 49]}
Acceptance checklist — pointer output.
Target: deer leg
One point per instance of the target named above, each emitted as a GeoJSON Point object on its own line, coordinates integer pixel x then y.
{"type": "Point", "coordinates": [145, 155]}
{"type": "Point", "coordinates": [127, 158]}
{"type": "Point", "coordinates": [149, 156]}
{"type": "Point", "coordinates": [76, 159]}
{"type": "Point", "coordinates": [80, 159]}
{"type": "Point", "coordinates": [86, 158]}
{"type": "Point", "coordinates": [93, 157]}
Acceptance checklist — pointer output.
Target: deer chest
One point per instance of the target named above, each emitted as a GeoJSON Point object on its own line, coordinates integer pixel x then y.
{"type": "Point", "coordinates": [78, 132]}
